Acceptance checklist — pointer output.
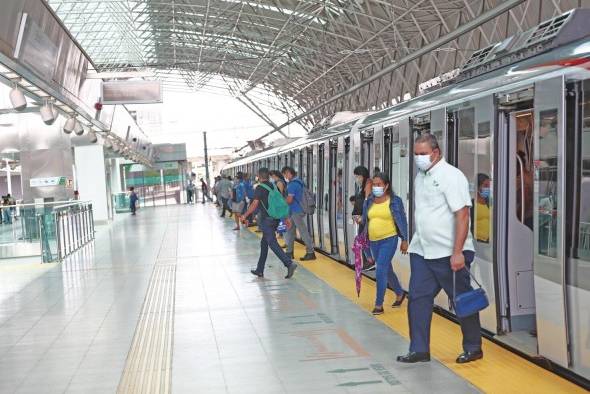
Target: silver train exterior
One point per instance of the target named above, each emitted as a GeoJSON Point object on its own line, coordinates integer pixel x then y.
{"type": "Point", "coordinates": [524, 129]}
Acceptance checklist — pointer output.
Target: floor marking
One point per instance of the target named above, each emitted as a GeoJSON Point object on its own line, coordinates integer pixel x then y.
{"type": "Point", "coordinates": [342, 370]}
{"type": "Point", "coordinates": [148, 369]}
{"type": "Point", "coordinates": [385, 374]}
{"type": "Point", "coordinates": [353, 384]}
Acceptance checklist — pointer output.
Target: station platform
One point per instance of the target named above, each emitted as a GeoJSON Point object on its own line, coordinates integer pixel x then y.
{"type": "Point", "coordinates": [164, 302]}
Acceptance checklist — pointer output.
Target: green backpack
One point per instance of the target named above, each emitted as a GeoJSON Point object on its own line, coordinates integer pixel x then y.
{"type": "Point", "coordinates": [277, 206]}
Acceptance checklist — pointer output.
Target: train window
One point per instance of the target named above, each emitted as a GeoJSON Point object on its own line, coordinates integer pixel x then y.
{"type": "Point", "coordinates": [583, 216]}
{"type": "Point", "coordinates": [546, 164]}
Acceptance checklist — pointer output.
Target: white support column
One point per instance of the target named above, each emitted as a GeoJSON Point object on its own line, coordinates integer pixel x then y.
{"type": "Point", "coordinates": [91, 179]}
{"type": "Point", "coordinates": [8, 177]}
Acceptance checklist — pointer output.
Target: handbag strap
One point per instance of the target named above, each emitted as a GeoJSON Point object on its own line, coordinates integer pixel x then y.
{"type": "Point", "coordinates": [471, 276]}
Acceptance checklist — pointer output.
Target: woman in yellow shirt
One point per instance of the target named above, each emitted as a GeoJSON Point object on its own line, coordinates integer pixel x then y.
{"type": "Point", "coordinates": [482, 208]}
{"type": "Point", "coordinates": [385, 222]}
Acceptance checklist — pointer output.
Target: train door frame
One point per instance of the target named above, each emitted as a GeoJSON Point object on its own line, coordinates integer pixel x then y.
{"type": "Point", "coordinates": [307, 158]}
{"type": "Point", "coordinates": [323, 196]}
{"type": "Point", "coordinates": [333, 153]}
{"type": "Point", "coordinates": [366, 146]}
{"type": "Point", "coordinates": [549, 289]}
{"type": "Point", "coordinates": [377, 148]}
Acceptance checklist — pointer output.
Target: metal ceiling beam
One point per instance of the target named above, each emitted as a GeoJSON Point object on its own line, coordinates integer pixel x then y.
{"type": "Point", "coordinates": [465, 28]}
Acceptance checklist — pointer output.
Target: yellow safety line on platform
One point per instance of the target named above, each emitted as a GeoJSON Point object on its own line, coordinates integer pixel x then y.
{"type": "Point", "coordinates": [501, 371]}
{"type": "Point", "coordinates": [149, 363]}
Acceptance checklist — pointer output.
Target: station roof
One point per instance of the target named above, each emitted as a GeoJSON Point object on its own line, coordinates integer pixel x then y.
{"type": "Point", "coordinates": [301, 51]}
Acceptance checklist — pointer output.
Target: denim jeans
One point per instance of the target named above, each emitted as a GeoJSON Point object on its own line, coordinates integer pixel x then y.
{"type": "Point", "coordinates": [383, 252]}
{"type": "Point", "coordinates": [268, 226]}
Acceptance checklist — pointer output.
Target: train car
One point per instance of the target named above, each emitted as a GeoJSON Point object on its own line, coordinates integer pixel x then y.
{"type": "Point", "coordinates": [516, 119]}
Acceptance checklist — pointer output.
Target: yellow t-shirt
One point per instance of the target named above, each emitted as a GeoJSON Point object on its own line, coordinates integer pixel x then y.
{"type": "Point", "coordinates": [381, 223]}
{"type": "Point", "coordinates": [482, 222]}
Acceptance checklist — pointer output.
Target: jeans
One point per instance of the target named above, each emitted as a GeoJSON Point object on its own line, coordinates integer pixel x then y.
{"type": "Point", "coordinates": [298, 221]}
{"type": "Point", "coordinates": [224, 206]}
{"type": "Point", "coordinates": [268, 226]}
{"type": "Point", "coordinates": [383, 252]}
{"type": "Point", "coordinates": [205, 194]}
{"type": "Point", "coordinates": [426, 281]}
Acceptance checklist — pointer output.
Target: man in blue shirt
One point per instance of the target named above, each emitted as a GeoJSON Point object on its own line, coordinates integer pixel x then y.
{"type": "Point", "coordinates": [294, 197]}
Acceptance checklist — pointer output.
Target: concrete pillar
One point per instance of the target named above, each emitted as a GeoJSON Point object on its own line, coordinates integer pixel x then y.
{"type": "Point", "coordinates": [91, 179]}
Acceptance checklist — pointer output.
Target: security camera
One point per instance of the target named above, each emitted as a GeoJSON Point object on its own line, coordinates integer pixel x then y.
{"type": "Point", "coordinates": [17, 98]}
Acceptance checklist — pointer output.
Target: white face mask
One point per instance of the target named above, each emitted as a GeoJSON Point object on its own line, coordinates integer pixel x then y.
{"type": "Point", "coordinates": [423, 162]}
{"type": "Point", "coordinates": [359, 180]}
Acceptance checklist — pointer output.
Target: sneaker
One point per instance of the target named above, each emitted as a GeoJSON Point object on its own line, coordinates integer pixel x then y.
{"type": "Point", "coordinates": [308, 256]}
{"type": "Point", "coordinates": [291, 270]}
{"type": "Point", "coordinates": [378, 310]}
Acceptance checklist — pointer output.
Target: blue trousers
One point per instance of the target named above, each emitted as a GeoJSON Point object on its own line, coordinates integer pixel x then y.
{"type": "Point", "coordinates": [268, 226]}
{"type": "Point", "coordinates": [383, 252]}
{"type": "Point", "coordinates": [426, 280]}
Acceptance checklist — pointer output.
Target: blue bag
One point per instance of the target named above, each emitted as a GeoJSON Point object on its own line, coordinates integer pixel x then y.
{"type": "Point", "coordinates": [282, 227]}
{"type": "Point", "coordinates": [470, 302]}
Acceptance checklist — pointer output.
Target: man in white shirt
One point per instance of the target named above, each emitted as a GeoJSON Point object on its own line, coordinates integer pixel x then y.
{"type": "Point", "coordinates": [442, 246]}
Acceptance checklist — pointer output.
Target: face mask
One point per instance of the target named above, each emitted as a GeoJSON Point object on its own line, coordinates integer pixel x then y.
{"type": "Point", "coordinates": [272, 180]}
{"type": "Point", "coordinates": [422, 162]}
{"type": "Point", "coordinates": [359, 180]}
{"type": "Point", "coordinates": [485, 193]}
{"type": "Point", "coordinates": [378, 191]}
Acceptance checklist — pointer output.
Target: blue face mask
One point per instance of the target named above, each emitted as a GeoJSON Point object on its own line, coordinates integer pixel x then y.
{"type": "Point", "coordinates": [272, 180]}
{"type": "Point", "coordinates": [485, 193]}
{"type": "Point", "coordinates": [378, 191]}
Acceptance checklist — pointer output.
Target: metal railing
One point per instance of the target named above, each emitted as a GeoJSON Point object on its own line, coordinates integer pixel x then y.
{"type": "Point", "coordinates": [51, 230]}
{"type": "Point", "coordinates": [74, 227]}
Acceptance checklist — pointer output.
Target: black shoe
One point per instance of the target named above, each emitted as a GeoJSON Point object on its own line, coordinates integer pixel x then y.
{"type": "Point", "coordinates": [414, 357]}
{"type": "Point", "coordinates": [290, 255]}
{"type": "Point", "coordinates": [258, 274]}
{"type": "Point", "coordinates": [467, 357]}
{"type": "Point", "coordinates": [370, 268]}
{"type": "Point", "coordinates": [308, 256]}
{"type": "Point", "coordinates": [399, 302]}
{"type": "Point", "coordinates": [291, 270]}
{"type": "Point", "coordinates": [378, 311]}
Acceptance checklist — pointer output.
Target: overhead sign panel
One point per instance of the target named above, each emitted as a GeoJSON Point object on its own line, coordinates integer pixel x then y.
{"type": "Point", "coordinates": [131, 92]}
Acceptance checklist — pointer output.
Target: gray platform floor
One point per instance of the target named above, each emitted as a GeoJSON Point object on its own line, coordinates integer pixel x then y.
{"type": "Point", "coordinates": [68, 328]}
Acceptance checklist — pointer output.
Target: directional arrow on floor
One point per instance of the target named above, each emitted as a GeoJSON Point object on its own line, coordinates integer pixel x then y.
{"type": "Point", "coordinates": [342, 370]}
{"type": "Point", "coordinates": [352, 384]}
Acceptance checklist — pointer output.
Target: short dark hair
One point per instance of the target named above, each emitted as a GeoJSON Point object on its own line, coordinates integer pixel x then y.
{"type": "Point", "coordinates": [132, 188]}
{"type": "Point", "coordinates": [362, 171]}
{"type": "Point", "coordinates": [263, 173]}
{"type": "Point", "coordinates": [428, 138]}
{"type": "Point", "coordinates": [288, 169]}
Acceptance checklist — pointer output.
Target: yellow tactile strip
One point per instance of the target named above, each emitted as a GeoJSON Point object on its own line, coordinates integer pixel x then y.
{"type": "Point", "coordinates": [149, 363]}
{"type": "Point", "coordinates": [501, 371]}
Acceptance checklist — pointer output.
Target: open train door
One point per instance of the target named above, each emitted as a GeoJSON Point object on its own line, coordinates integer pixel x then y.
{"type": "Point", "coordinates": [549, 221]}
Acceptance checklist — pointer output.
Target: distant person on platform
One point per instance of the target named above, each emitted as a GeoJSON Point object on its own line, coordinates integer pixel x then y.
{"type": "Point", "coordinates": [205, 191]}
{"type": "Point", "coordinates": [225, 192]}
{"type": "Point", "coordinates": [76, 195]}
{"type": "Point", "coordinates": [133, 199]}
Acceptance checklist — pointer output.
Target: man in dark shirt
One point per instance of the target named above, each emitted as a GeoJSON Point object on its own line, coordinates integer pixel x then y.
{"type": "Point", "coordinates": [268, 226]}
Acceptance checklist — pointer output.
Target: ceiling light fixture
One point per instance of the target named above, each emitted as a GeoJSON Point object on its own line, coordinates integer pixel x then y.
{"type": "Point", "coordinates": [17, 98]}
{"type": "Point", "coordinates": [47, 113]}
{"type": "Point", "coordinates": [70, 125]}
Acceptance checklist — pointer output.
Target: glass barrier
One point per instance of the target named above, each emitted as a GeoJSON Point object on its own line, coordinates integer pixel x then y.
{"type": "Point", "coordinates": [121, 202]}
{"type": "Point", "coordinates": [49, 230]}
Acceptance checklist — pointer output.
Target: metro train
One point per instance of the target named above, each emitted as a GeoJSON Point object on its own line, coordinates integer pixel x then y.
{"type": "Point", "coordinates": [516, 119]}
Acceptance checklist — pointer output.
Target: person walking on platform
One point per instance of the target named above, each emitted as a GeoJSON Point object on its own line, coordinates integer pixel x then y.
{"type": "Point", "coordinates": [238, 202]}
{"type": "Point", "coordinates": [385, 222]}
{"type": "Point", "coordinates": [441, 251]}
{"type": "Point", "coordinates": [224, 191]}
{"type": "Point", "coordinates": [205, 191]}
{"type": "Point", "coordinates": [298, 217]}
{"type": "Point", "coordinates": [133, 199]}
{"type": "Point", "coordinates": [268, 225]}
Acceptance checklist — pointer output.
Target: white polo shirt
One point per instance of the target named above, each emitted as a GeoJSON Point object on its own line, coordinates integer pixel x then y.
{"type": "Point", "coordinates": [438, 194]}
